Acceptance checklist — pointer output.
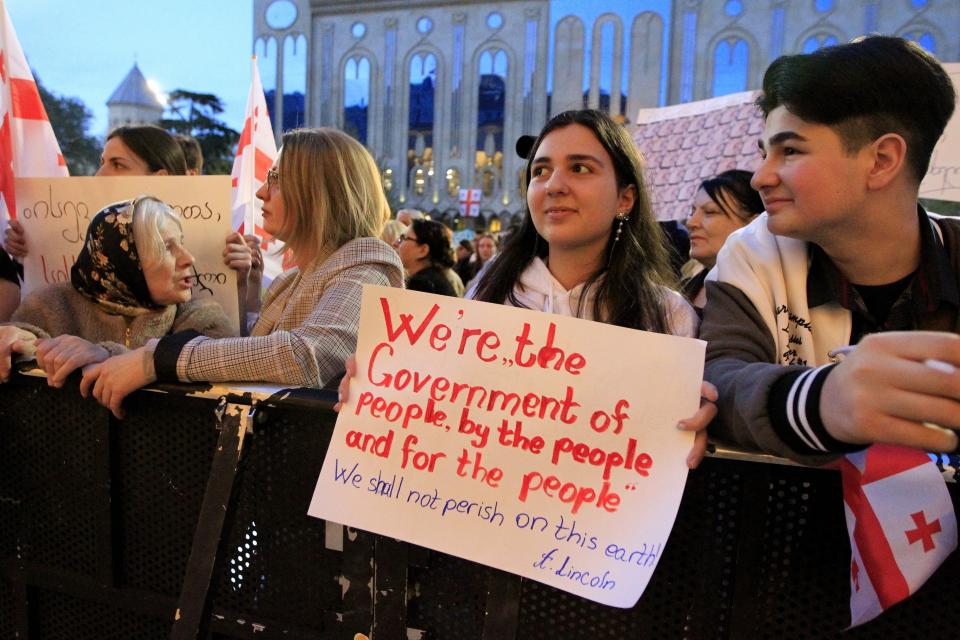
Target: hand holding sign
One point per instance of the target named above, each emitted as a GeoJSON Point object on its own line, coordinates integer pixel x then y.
{"type": "Point", "coordinates": [55, 212]}
{"type": "Point", "coordinates": [471, 420]}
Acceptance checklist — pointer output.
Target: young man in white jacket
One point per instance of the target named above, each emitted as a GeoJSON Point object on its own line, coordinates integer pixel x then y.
{"type": "Point", "coordinates": [844, 255]}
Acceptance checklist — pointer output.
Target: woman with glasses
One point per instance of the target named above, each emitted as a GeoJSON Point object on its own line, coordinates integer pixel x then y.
{"type": "Point", "coordinates": [324, 200]}
{"type": "Point", "coordinates": [426, 254]}
{"type": "Point", "coordinates": [130, 282]}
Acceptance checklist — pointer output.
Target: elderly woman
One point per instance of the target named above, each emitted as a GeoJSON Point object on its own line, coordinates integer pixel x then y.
{"type": "Point", "coordinates": [131, 282]}
{"type": "Point", "coordinates": [324, 200]}
{"type": "Point", "coordinates": [148, 150]}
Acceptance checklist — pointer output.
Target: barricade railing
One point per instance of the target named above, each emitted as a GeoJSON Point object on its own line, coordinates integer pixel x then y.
{"type": "Point", "coordinates": [189, 519]}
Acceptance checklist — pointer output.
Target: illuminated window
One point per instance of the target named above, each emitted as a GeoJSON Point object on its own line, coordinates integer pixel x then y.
{"type": "Point", "coordinates": [356, 97]}
{"type": "Point", "coordinates": [731, 62]}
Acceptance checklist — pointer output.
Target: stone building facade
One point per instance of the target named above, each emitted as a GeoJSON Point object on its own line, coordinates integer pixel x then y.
{"type": "Point", "coordinates": [439, 91]}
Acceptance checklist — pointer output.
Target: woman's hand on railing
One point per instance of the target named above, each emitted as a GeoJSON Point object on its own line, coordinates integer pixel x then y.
{"type": "Point", "coordinates": [14, 340]}
{"type": "Point", "coordinates": [115, 378]}
{"type": "Point", "coordinates": [343, 391]}
{"type": "Point", "coordinates": [62, 355]}
{"type": "Point", "coordinates": [698, 423]}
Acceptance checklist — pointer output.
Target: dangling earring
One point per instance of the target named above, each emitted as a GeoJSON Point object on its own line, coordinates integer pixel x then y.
{"type": "Point", "coordinates": [622, 216]}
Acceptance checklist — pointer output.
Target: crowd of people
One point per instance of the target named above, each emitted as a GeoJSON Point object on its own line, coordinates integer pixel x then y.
{"type": "Point", "coordinates": [823, 247]}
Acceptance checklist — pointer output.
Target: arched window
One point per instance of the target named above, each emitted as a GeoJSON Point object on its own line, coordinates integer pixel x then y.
{"type": "Point", "coordinates": [356, 97]}
{"type": "Point", "coordinates": [607, 54]}
{"type": "Point", "coordinates": [294, 81]}
{"type": "Point", "coordinates": [731, 64]}
{"type": "Point", "coordinates": [266, 50]}
{"type": "Point", "coordinates": [924, 38]}
{"type": "Point", "coordinates": [423, 79]}
{"type": "Point", "coordinates": [491, 106]}
{"type": "Point", "coordinates": [813, 43]}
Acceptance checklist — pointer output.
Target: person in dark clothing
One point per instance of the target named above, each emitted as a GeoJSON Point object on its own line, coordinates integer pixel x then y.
{"type": "Point", "coordinates": [425, 252]}
{"type": "Point", "coordinates": [9, 285]}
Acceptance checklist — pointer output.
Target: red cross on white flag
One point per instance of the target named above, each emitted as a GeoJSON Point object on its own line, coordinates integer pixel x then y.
{"type": "Point", "coordinates": [901, 524]}
{"type": "Point", "coordinates": [256, 152]}
{"type": "Point", "coordinates": [28, 146]}
{"type": "Point", "coordinates": [469, 203]}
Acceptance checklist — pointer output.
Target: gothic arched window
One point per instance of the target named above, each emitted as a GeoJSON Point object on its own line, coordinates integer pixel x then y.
{"type": "Point", "coordinates": [491, 108]}
{"type": "Point", "coordinates": [356, 97]}
{"type": "Point", "coordinates": [731, 64]}
{"type": "Point", "coordinates": [422, 102]}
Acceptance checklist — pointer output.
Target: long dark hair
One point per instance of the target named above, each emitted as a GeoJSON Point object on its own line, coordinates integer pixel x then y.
{"type": "Point", "coordinates": [630, 286]}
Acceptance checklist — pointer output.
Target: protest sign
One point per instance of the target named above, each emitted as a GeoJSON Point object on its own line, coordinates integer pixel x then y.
{"type": "Point", "coordinates": [55, 213]}
{"type": "Point", "coordinates": [538, 444]}
{"type": "Point", "coordinates": [942, 181]}
{"type": "Point", "coordinates": [686, 143]}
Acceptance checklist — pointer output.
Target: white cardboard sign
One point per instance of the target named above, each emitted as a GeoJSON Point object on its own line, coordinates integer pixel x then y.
{"type": "Point", "coordinates": [942, 181]}
{"type": "Point", "coordinates": [538, 444]}
{"type": "Point", "coordinates": [55, 213]}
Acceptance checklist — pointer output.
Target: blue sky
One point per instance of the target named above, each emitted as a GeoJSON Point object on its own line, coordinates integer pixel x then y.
{"type": "Point", "coordinates": [84, 49]}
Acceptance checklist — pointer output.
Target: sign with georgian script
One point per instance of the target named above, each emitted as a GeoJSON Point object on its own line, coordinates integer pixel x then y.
{"type": "Point", "coordinates": [55, 213]}
{"type": "Point", "coordinates": [942, 181]}
{"type": "Point", "coordinates": [538, 444]}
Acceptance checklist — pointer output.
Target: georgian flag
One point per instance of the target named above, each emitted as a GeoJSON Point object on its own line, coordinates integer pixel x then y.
{"type": "Point", "coordinates": [256, 152]}
{"type": "Point", "coordinates": [901, 524]}
{"type": "Point", "coordinates": [470, 203]}
{"type": "Point", "coordinates": [28, 146]}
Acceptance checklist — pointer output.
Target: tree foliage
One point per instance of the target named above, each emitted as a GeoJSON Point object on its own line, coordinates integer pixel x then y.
{"type": "Point", "coordinates": [71, 119]}
{"type": "Point", "coordinates": [195, 114]}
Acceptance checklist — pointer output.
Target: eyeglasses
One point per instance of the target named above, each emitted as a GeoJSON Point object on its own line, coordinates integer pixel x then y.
{"type": "Point", "coordinates": [273, 178]}
{"type": "Point", "coordinates": [404, 236]}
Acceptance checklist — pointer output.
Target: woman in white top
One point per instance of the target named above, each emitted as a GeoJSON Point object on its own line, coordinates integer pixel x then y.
{"type": "Point", "coordinates": [589, 245]}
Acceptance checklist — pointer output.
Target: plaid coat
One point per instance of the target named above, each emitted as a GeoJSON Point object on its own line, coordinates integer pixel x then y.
{"type": "Point", "coordinates": [308, 325]}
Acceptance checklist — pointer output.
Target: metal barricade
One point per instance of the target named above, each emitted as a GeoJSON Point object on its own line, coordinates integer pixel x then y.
{"type": "Point", "coordinates": [188, 519]}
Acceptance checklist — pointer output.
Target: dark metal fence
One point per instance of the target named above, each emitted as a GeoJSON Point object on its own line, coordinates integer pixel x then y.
{"type": "Point", "coordinates": [188, 519]}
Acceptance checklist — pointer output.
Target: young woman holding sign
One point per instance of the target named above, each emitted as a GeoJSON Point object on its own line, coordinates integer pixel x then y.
{"type": "Point", "coordinates": [131, 282]}
{"type": "Point", "coordinates": [322, 198]}
{"type": "Point", "coordinates": [589, 245]}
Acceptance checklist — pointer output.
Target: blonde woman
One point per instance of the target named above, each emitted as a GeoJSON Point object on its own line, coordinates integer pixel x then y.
{"type": "Point", "coordinates": [323, 199]}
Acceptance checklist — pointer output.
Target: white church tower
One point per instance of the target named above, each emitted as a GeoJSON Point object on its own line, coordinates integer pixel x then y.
{"type": "Point", "coordinates": [133, 102]}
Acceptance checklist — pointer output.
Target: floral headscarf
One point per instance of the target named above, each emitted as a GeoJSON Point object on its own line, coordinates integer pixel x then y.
{"type": "Point", "coordinates": [108, 269]}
